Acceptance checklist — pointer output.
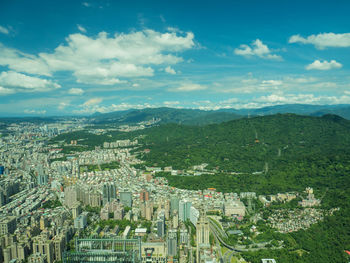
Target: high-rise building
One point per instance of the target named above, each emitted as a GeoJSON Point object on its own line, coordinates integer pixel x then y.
{"type": "Point", "coordinates": [70, 196]}
{"type": "Point", "coordinates": [43, 222]}
{"type": "Point", "coordinates": [184, 210]}
{"type": "Point", "coordinates": [202, 231]}
{"type": "Point", "coordinates": [202, 234]}
{"type": "Point", "coordinates": [149, 210]}
{"type": "Point", "coordinates": [43, 246]}
{"type": "Point", "coordinates": [172, 242]}
{"type": "Point", "coordinates": [59, 242]}
{"type": "Point", "coordinates": [109, 192]}
{"type": "Point", "coordinates": [161, 224]}
{"type": "Point", "coordinates": [81, 221]}
{"type": "Point", "coordinates": [183, 236]}
{"type": "Point", "coordinates": [144, 196]}
{"type": "Point", "coordinates": [126, 198]}
{"type": "Point", "coordinates": [174, 204]}
{"type": "Point", "coordinates": [176, 219]}
{"type": "Point", "coordinates": [76, 210]}
{"type": "Point", "coordinates": [7, 225]}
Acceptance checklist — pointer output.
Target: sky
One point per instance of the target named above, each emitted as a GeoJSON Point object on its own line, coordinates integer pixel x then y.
{"type": "Point", "coordinates": [81, 57]}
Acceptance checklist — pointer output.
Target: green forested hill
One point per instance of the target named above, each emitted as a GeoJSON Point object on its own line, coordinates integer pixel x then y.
{"type": "Point", "coordinates": [314, 151]}
{"type": "Point", "coordinates": [247, 145]}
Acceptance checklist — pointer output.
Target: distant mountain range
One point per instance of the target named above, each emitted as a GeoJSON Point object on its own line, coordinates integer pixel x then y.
{"type": "Point", "coordinates": [191, 116]}
{"type": "Point", "coordinates": [202, 117]}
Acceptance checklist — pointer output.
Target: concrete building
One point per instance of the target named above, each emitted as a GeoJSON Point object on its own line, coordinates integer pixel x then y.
{"type": "Point", "coordinates": [183, 236]}
{"type": "Point", "coordinates": [109, 192]}
{"type": "Point", "coordinates": [70, 196]}
{"type": "Point", "coordinates": [126, 198]}
{"type": "Point", "coordinates": [7, 225]}
{"type": "Point", "coordinates": [174, 204]}
{"type": "Point", "coordinates": [76, 210]}
{"type": "Point", "coordinates": [234, 208]}
{"type": "Point", "coordinates": [202, 234]}
{"type": "Point", "coordinates": [172, 242]}
{"type": "Point", "coordinates": [144, 196]}
{"type": "Point", "coordinates": [44, 246]}
{"type": "Point", "coordinates": [184, 210]}
{"type": "Point", "coordinates": [161, 224]}
{"type": "Point", "coordinates": [81, 221]}
{"type": "Point", "coordinates": [153, 252]}
{"type": "Point", "coordinates": [175, 220]}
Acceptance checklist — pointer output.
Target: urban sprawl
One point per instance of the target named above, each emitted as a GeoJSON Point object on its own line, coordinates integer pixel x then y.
{"type": "Point", "coordinates": [96, 206]}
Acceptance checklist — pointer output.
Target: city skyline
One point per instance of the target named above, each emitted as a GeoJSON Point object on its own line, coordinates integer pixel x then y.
{"type": "Point", "coordinates": [64, 58]}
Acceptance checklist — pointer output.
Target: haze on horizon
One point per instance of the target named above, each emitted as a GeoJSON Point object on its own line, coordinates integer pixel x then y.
{"type": "Point", "coordinates": [81, 57]}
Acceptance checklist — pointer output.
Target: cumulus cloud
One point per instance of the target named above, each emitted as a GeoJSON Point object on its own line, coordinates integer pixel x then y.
{"type": "Point", "coordinates": [6, 91]}
{"type": "Point", "coordinates": [323, 40]}
{"type": "Point", "coordinates": [170, 70]}
{"type": "Point", "coordinates": [20, 82]}
{"type": "Point", "coordinates": [189, 87]}
{"type": "Point", "coordinates": [75, 91]}
{"type": "Point", "coordinates": [4, 30]}
{"type": "Point", "coordinates": [22, 62]}
{"type": "Point", "coordinates": [324, 65]}
{"type": "Point", "coordinates": [81, 28]}
{"type": "Point", "coordinates": [104, 59]}
{"type": "Point", "coordinates": [257, 48]}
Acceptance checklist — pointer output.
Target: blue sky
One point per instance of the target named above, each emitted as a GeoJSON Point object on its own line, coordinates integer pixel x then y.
{"type": "Point", "coordinates": [81, 57]}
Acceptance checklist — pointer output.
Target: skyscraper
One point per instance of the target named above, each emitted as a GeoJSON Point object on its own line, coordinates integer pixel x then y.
{"type": "Point", "coordinates": [126, 198]}
{"type": "Point", "coordinates": [202, 233]}
{"type": "Point", "coordinates": [109, 192]}
{"type": "Point", "coordinates": [174, 204]}
{"type": "Point", "coordinates": [161, 224]}
{"type": "Point", "coordinates": [172, 242]}
{"type": "Point", "coordinates": [184, 210]}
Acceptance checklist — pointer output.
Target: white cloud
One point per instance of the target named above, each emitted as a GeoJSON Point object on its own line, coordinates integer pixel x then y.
{"type": "Point", "coordinates": [91, 102]}
{"type": "Point", "coordinates": [6, 91]}
{"type": "Point", "coordinates": [23, 83]}
{"type": "Point", "coordinates": [170, 70]}
{"type": "Point", "coordinates": [81, 28]}
{"type": "Point", "coordinates": [258, 48]}
{"type": "Point", "coordinates": [75, 91]}
{"type": "Point", "coordinates": [86, 4]}
{"type": "Point", "coordinates": [4, 30]}
{"type": "Point", "coordinates": [189, 87]}
{"type": "Point", "coordinates": [94, 107]}
{"type": "Point", "coordinates": [171, 103]}
{"type": "Point", "coordinates": [324, 65]}
{"type": "Point", "coordinates": [22, 62]}
{"type": "Point", "coordinates": [28, 111]}
{"type": "Point", "coordinates": [104, 60]}
{"type": "Point", "coordinates": [269, 83]}
{"type": "Point", "coordinates": [323, 40]}
{"type": "Point", "coordinates": [62, 105]}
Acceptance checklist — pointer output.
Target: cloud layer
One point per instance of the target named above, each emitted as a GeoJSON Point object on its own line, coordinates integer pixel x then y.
{"type": "Point", "coordinates": [19, 82]}
{"type": "Point", "coordinates": [324, 40]}
{"type": "Point", "coordinates": [102, 59]}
